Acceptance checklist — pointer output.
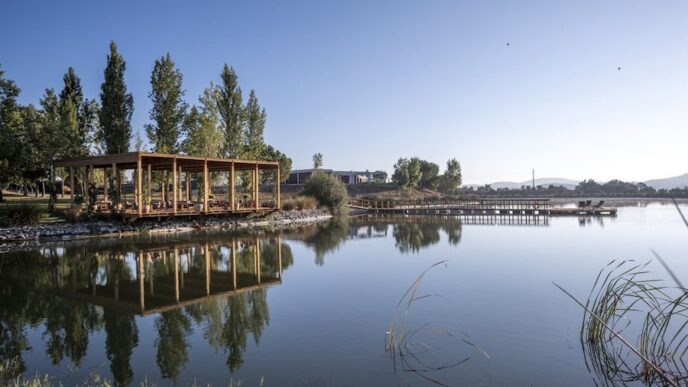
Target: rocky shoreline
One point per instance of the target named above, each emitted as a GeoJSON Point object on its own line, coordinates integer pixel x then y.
{"type": "Point", "coordinates": [100, 229]}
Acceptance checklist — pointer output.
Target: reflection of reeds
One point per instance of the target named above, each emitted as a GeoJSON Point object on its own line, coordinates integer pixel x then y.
{"type": "Point", "coordinates": [403, 343]}
{"type": "Point", "coordinates": [622, 297]}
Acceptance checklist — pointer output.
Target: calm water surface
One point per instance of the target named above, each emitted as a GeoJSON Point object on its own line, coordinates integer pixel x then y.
{"type": "Point", "coordinates": [312, 307]}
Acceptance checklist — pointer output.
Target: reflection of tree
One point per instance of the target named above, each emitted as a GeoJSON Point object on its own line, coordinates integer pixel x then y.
{"type": "Point", "coordinates": [19, 306]}
{"type": "Point", "coordinates": [413, 234]}
{"type": "Point", "coordinates": [122, 336]}
{"type": "Point", "coordinates": [68, 323]}
{"type": "Point", "coordinates": [173, 326]}
{"type": "Point", "coordinates": [40, 287]}
{"type": "Point", "coordinates": [411, 237]}
{"type": "Point", "coordinates": [328, 237]}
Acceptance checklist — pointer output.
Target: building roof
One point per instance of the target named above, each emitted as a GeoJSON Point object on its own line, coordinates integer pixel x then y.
{"type": "Point", "coordinates": [164, 161]}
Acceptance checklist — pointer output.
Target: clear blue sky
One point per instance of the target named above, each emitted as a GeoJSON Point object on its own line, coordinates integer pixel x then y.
{"type": "Point", "coordinates": [364, 82]}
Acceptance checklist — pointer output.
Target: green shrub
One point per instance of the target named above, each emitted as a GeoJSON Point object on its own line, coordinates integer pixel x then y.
{"type": "Point", "coordinates": [22, 214]}
{"type": "Point", "coordinates": [288, 204]}
{"type": "Point", "coordinates": [300, 203]}
{"type": "Point", "coordinates": [328, 190]}
{"type": "Point", "coordinates": [73, 214]}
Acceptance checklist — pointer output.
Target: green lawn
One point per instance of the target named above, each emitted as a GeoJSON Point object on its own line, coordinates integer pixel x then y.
{"type": "Point", "coordinates": [41, 202]}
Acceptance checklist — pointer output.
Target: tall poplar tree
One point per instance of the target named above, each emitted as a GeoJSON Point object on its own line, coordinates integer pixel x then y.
{"type": "Point", "coordinates": [255, 126]}
{"type": "Point", "coordinates": [9, 130]}
{"type": "Point", "coordinates": [75, 116]}
{"type": "Point", "coordinates": [117, 105]}
{"type": "Point", "coordinates": [169, 109]}
{"type": "Point", "coordinates": [230, 106]}
{"type": "Point", "coordinates": [202, 127]}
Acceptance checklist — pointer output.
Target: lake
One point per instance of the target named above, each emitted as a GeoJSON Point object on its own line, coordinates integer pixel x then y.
{"type": "Point", "coordinates": [320, 306]}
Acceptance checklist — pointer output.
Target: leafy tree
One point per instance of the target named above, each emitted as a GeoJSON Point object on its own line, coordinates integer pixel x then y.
{"type": "Point", "coordinates": [230, 107]}
{"type": "Point", "coordinates": [379, 176]}
{"type": "Point", "coordinates": [451, 179]}
{"type": "Point", "coordinates": [169, 109]}
{"type": "Point", "coordinates": [117, 106]}
{"type": "Point", "coordinates": [204, 136]}
{"type": "Point", "coordinates": [317, 160]}
{"type": "Point", "coordinates": [407, 173]}
{"type": "Point", "coordinates": [9, 130]}
{"type": "Point", "coordinates": [272, 154]}
{"type": "Point", "coordinates": [76, 115]}
{"type": "Point", "coordinates": [428, 174]}
{"type": "Point", "coordinates": [255, 125]}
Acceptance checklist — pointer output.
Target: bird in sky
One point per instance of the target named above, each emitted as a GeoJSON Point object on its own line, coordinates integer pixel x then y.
{"type": "Point", "coordinates": [508, 44]}
{"type": "Point", "coordinates": [618, 68]}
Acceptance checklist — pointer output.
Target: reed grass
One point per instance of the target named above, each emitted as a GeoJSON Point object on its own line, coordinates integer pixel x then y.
{"type": "Point", "coordinates": [626, 298]}
{"type": "Point", "coordinates": [403, 340]}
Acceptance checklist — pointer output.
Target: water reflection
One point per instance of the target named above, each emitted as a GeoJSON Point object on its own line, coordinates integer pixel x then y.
{"type": "Point", "coordinates": [75, 290]}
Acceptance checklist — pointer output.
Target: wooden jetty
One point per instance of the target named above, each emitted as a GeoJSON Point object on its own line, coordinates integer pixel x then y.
{"type": "Point", "coordinates": [484, 207]}
{"type": "Point", "coordinates": [176, 196]}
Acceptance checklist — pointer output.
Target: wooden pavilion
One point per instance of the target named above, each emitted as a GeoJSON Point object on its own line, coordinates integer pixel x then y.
{"type": "Point", "coordinates": [176, 196]}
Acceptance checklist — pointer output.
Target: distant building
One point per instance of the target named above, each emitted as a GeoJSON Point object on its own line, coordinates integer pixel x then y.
{"type": "Point", "coordinates": [299, 176]}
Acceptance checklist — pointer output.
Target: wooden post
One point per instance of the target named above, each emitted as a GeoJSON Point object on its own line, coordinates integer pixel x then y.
{"type": "Point", "coordinates": [179, 182]}
{"type": "Point", "coordinates": [87, 183]}
{"type": "Point", "coordinates": [149, 177]}
{"type": "Point", "coordinates": [139, 186]}
{"type": "Point", "coordinates": [187, 177]}
{"type": "Point", "coordinates": [142, 290]}
{"type": "Point", "coordinates": [206, 194]}
{"type": "Point", "coordinates": [232, 187]}
{"type": "Point", "coordinates": [174, 186]}
{"type": "Point", "coordinates": [256, 192]}
{"type": "Point", "coordinates": [207, 269]}
{"type": "Point", "coordinates": [115, 181]}
{"type": "Point", "coordinates": [176, 274]}
{"type": "Point", "coordinates": [234, 263]}
{"type": "Point", "coordinates": [71, 184]}
{"type": "Point", "coordinates": [279, 256]}
{"type": "Point", "coordinates": [105, 185]}
{"type": "Point", "coordinates": [279, 193]}
{"type": "Point", "coordinates": [258, 258]}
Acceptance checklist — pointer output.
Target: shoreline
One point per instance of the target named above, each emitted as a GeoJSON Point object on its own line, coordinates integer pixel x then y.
{"type": "Point", "coordinates": [116, 229]}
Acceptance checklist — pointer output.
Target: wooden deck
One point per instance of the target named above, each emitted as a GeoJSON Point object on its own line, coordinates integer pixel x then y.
{"type": "Point", "coordinates": [486, 207]}
{"type": "Point", "coordinates": [161, 185]}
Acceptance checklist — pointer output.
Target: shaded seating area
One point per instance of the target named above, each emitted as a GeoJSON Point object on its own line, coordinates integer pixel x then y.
{"type": "Point", "coordinates": [143, 184]}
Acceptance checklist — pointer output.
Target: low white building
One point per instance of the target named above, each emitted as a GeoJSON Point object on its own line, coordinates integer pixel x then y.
{"type": "Point", "coordinates": [299, 176]}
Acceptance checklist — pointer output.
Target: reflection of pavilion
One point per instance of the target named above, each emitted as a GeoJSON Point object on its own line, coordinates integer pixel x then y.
{"type": "Point", "coordinates": [158, 279]}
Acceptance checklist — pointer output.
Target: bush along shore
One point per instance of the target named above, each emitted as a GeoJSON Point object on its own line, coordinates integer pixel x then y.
{"type": "Point", "coordinates": [66, 231]}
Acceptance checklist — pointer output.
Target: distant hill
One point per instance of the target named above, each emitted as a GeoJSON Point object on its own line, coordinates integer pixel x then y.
{"type": "Point", "coordinates": [544, 181]}
{"type": "Point", "coordinates": [669, 183]}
